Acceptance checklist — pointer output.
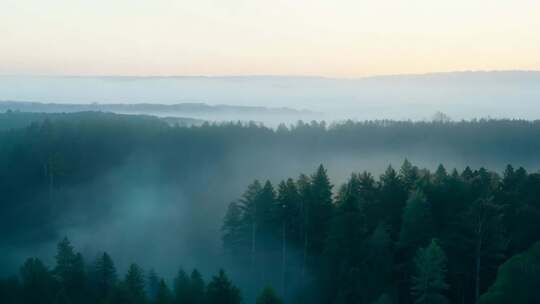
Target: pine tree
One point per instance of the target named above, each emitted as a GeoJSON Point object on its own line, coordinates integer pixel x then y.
{"type": "Point", "coordinates": [182, 287]}
{"type": "Point", "coordinates": [105, 274]}
{"type": "Point", "coordinates": [378, 262]}
{"type": "Point", "coordinates": [220, 290]}
{"type": "Point", "coordinates": [289, 217]}
{"type": "Point", "coordinates": [320, 211]}
{"type": "Point", "coordinates": [233, 236]}
{"type": "Point", "coordinates": [486, 237]}
{"type": "Point", "coordinates": [70, 271]}
{"type": "Point", "coordinates": [304, 192]}
{"type": "Point", "coordinates": [409, 175]}
{"type": "Point", "coordinates": [163, 294]}
{"type": "Point", "coordinates": [134, 284]}
{"type": "Point", "coordinates": [38, 283]}
{"type": "Point", "coordinates": [197, 287]}
{"type": "Point", "coordinates": [417, 223]}
{"type": "Point", "coordinates": [345, 245]}
{"type": "Point", "coordinates": [393, 197]}
{"type": "Point", "coordinates": [429, 280]}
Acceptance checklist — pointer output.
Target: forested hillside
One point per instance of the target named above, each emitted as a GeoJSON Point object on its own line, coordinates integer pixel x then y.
{"type": "Point", "coordinates": [410, 236]}
{"type": "Point", "coordinates": [117, 182]}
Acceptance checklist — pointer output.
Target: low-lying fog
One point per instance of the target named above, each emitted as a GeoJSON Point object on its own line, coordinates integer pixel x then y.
{"type": "Point", "coordinates": [461, 95]}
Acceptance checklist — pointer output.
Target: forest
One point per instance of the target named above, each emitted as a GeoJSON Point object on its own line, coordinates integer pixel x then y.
{"type": "Point", "coordinates": [410, 236]}
{"type": "Point", "coordinates": [419, 233]}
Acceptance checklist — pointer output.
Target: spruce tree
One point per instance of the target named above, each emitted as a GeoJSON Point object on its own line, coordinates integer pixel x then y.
{"type": "Point", "coordinates": [70, 271]}
{"type": "Point", "coordinates": [182, 287]}
{"type": "Point", "coordinates": [38, 283]}
{"type": "Point", "coordinates": [429, 280]}
{"type": "Point", "coordinates": [105, 275]}
{"type": "Point", "coordinates": [134, 284]}
{"type": "Point", "coordinates": [320, 211]}
{"type": "Point", "coordinates": [417, 222]}
{"type": "Point", "coordinates": [220, 290]}
{"type": "Point", "coordinates": [163, 293]}
{"type": "Point", "coordinates": [197, 287]}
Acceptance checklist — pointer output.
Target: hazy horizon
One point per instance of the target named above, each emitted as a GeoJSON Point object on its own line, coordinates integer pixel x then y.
{"type": "Point", "coordinates": [461, 95]}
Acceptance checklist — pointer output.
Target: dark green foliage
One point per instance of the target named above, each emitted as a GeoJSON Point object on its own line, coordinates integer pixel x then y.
{"type": "Point", "coordinates": [319, 211]}
{"type": "Point", "coordinates": [375, 228]}
{"type": "Point", "coordinates": [416, 224]}
{"type": "Point", "coordinates": [518, 280]}
{"type": "Point", "coordinates": [220, 290]}
{"type": "Point", "coordinates": [197, 287]}
{"type": "Point", "coordinates": [189, 289]}
{"type": "Point", "coordinates": [182, 287]}
{"type": "Point", "coordinates": [163, 294]}
{"type": "Point", "coordinates": [345, 247]}
{"type": "Point", "coordinates": [268, 296]}
{"type": "Point", "coordinates": [134, 285]}
{"type": "Point", "coordinates": [70, 271]}
{"type": "Point", "coordinates": [10, 290]}
{"type": "Point", "coordinates": [291, 236]}
{"type": "Point", "coordinates": [429, 280]}
{"type": "Point", "coordinates": [104, 277]}
{"type": "Point", "coordinates": [38, 283]}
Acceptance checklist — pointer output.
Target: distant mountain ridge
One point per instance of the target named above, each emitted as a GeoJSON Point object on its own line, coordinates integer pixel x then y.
{"type": "Point", "coordinates": [188, 108]}
{"type": "Point", "coordinates": [462, 95]}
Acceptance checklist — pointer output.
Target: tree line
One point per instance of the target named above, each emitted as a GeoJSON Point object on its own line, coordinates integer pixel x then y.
{"type": "Point", "coordinates": [72, 280]}
{"type": "Point", "coordinates": [48, 153]}
{"type": "Point", "coordinates": [409, 236]}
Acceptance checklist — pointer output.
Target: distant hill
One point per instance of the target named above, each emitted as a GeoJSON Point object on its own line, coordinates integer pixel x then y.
{"type": "Point", "coordinates": [197, 112]}
{"type": "Point", "coordinates": [16, 119]}
{"type": "Point", "coordinates": [461, 95]}
{"type": "Point", "coordinates": [188, 108]}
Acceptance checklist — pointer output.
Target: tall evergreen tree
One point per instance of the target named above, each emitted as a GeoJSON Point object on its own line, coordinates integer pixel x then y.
{"type": "Point", "coordinates": [220, 290]}
{"type": "Point", "coordinates": [320, 211]}
{"type": "Point", "coordinates": [417, 223]}
{"type": "Point", "coordinates": [429, 280]}
{"type": "Point", "coordinates": [70, 271]}
{"type": "Point", "coordinates": [289, 217]}
{"type": "Point", "coordinates": [38, 284]}
{"type": "Point", "coordinates": [163, 294]}
{"type": "Point", "coordinates": [182, 287]}
{"type": "Point", "coordinates": [105, 276]}
{"type": "Point", "coordinates": [345, 246]}
{"type": "Point", "coordinates": [409, 175]}
{"type": "Point", "coordinates": [197, 288]}
{"type": "Point", "coordinates": [134, 284]}
{"type": "Point", "coordinates": [393, 196]}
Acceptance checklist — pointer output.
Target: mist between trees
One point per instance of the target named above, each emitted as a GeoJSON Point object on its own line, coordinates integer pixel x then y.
{"type": "Point", "coordinates": [411, 236]}
{"type": "Point", "coordinates": [118, 182]}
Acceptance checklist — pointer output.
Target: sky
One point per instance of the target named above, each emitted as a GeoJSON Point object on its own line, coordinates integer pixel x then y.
{"type": "Point", "coordinates": [339, 38]}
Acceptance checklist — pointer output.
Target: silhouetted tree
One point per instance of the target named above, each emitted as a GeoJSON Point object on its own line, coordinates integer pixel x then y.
{"type": "Point", "coordinates": [220, 290]}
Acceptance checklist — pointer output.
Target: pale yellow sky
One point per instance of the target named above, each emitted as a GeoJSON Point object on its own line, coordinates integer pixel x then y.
{"type": "Point", "coordinates": [339, 38]}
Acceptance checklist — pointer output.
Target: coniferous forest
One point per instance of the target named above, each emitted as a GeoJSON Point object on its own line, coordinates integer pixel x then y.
{"type": "Point", "coordinates": [106, 208]}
